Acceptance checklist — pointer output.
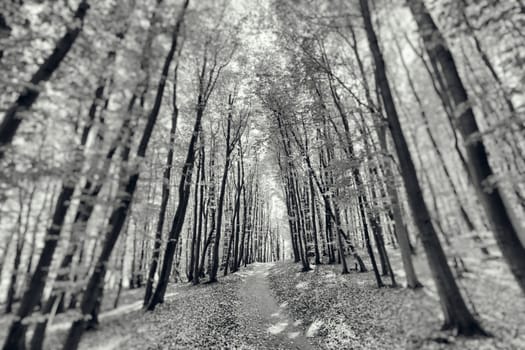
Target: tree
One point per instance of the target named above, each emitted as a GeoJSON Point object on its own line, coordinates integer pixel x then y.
{"type": "Point", "coordinates": [165, 194]}
{"type": "Point", "coordinates": [231, 141]}
{"type": "Point", "coordinates": [207, 79]}
{"type": "Point", "coordinates": [33, 293]}
{"type": "Point", "coordinates": [492, 197]}
{"type": "Point", "coordinates": [457, 315]}
{"type": "Point", "coordinates": [29, 95]}
{"type": "Point", "coordinates": [127, 187]}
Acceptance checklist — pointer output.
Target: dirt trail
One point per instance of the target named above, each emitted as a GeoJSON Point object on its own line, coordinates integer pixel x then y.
{"type": "Point", "coordinates": [267, 315]}
{"type": "Point", "coordinates": [239, 312]}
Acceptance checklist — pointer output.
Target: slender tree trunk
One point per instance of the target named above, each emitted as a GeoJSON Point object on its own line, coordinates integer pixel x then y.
{"type": "Point", "coordinates": [368, 244]}
{"type": "Point", "coordinates": [180, 214]}
{"type": "Point", "coordinates": [329, 235]}
{"type": "Point", "coordinates": [207, 244]}
{"type": "Point", "coordinates": [399, 225]}
{"type": "Point", "coordinates": [211, 206]}
{"type": "Point", "coordinates": [378, 231]}
{"type": "Point", "coordinates": [48, 195]}
{"type": "Point", "coordinates": [220, 204]}
{"type": "Point", "coordinates": [121, 277]}
{"type": "Point", "coordinates": [302, 228]}
{"type": "Point", "coordinates": [229, 248]}
{"type": "Point", "coordinates": [197, 211]}
{"type": "Point", "coordinates": [236, 215]}
{"type": "Point", "coordinates": [313, 216]}
{"type": "Point", "coordinates": [341, 250]}
{"type": "Point", "coordinates": [290, 212]}
{"type": "Point", "coordinates": [19, 246]}
{"type": "Point", "coordinates": [244, 224]}
{"type": "Point", "coordinates": [201, 215]}
{"type": "Point", "coordinates": [194, 242]}
{"type": "Point", "coordinates": [8, 242]}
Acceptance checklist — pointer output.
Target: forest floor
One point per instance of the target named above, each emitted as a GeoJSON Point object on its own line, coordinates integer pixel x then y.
{"type": "Point", "coordinates": [274, 306]}
{"type": "Point", "coordinates": [238, 312]}
{"type": "Point", "coordinates": [350, 312]}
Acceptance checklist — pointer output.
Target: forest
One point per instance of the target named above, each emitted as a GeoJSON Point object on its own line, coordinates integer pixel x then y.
{"type": "Point", "coordinates": [294, 174]}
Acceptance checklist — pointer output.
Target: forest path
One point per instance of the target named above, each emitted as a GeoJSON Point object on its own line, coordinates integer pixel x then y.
{"type": "Point", "coordinates": [266, 315]}
{"type": "Point", "coordinates": [238, 312]}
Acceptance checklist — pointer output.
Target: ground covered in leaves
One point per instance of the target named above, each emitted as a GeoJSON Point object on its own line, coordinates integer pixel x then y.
{"type": "Point", "coordinates": [350, 312]}
{"type": "Point", "coordinates": [274, 306]}
{"type": "Point", "coordinates": [239, 312]}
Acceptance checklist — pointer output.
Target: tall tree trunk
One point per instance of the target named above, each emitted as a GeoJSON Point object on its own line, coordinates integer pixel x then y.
{"type": "Point", "coordinates": [313, 216]}
{"type": "Point", "coordinates": [399, 225]}
{"type": "Point", "coordinates": [201, 215]}
{"type": "Point", "coordinates": [368, 244]}
{"type": "Point", "coordinates": [19, 246]}
{"type": "Point", "coordinates": [302, 228]}
{"type": "Point", "coordinates": [244, 221]}
{"type": "Point", "coordinates": [220, 204]}
{"type": "Point", "coordinates": [29, 95]}
{"type": "Point", "coordinates": [16, 336]}
{"type": "Point", "coordinates": [377, 229]}
{"type": "Point", "coordinates": [33, 293]}
{"type": "Point", "coordinates": [169, 157]}
{"type": "Point", "coordinates": [289, 210]}
{"type": "Point", "coordinates": [231, 241]}
{"type": "Point", "coordinates": [329, 235]}
{"type": "Point", "coordinates": [127, 187]}
{"type": "Point", "coordinates": [194, 242]}
{"type": "Point", "coordinates": [237, 227]}
{"type": "Point", "coordinates": [341, 250]}
{"type": "Point", "coordinates": [456, 313]}
{"type": "Point", "coordinates": [48, 195]}
{"type": "Point", "coordinates": [90, 301]}
{"type": "Point", "coordinates": [180, 214]}
{"type": "Point", "coordinates": [121, 263]}
{"type": "Point", "coordinates": [463, 212]}
{"type": "Point", "coordinates": [494, 202]}
{"type": "Point", "coordinates": [400, 228]}
{"type": "Point", "coordinates": [211, 207]}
